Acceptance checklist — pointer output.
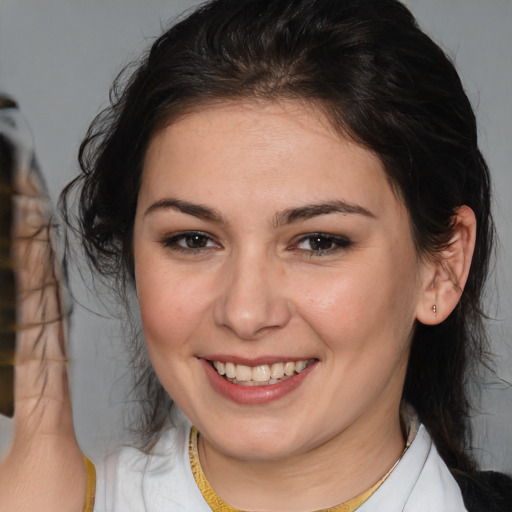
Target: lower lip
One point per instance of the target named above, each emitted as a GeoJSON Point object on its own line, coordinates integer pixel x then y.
{"type": "Point", "coordinates": [254, 394]}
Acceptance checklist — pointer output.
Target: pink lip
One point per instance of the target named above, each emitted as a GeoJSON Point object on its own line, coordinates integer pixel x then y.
{"type": "Point", "coordinates": [253, 394]}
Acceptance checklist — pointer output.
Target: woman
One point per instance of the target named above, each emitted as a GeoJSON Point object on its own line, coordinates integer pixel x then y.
{"type": "Point", "coordinates": [296, 192]}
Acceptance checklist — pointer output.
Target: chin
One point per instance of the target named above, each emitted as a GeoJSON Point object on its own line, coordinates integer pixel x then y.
{"type": "Point", "coordinates": [258, 443]}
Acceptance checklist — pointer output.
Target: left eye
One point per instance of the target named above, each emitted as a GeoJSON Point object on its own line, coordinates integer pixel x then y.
{"type": "Point", "coordinates": [321, 243]}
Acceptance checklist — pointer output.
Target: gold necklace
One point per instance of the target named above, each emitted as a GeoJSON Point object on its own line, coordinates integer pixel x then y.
{"type": "Point", "coordinates": [217, 504]}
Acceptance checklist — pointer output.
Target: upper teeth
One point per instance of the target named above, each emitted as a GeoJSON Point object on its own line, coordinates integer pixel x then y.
{"type": "Point", "coordinates": [261, 373]}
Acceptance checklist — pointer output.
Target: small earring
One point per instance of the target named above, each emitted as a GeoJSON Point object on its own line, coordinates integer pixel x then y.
{"type": "Point", "coordinates": [434, 310]}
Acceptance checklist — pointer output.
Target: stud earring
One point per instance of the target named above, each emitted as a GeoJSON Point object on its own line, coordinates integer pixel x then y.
{"type": "Point", "coordinates": [434, 310]}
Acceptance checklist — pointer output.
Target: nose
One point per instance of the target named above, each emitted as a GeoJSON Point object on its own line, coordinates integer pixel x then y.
{"type": "Point", "coordinates": [252, 301]}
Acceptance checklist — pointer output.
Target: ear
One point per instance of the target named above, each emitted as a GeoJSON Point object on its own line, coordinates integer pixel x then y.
{"type": "Point", "coordinates": [445, 275]}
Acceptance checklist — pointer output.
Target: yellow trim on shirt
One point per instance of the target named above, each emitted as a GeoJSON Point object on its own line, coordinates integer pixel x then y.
{"type": "Point", "coordinates": [90, 491]}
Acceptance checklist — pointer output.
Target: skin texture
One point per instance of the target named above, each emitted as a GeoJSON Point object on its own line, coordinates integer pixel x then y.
{"type": "Point", "coordinates": [258, 290]}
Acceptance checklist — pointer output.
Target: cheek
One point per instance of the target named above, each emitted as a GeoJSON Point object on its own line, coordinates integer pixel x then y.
{"type": "Point", "coordinates": [362, 308]}
{"type": "Point", "coordinates": [170, 306]}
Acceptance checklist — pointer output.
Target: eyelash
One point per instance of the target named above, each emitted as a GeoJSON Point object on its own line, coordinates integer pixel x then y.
{"type": "Point", "coordinates": [337, 243]}
{"type": "Point", "coordinates": [172, 242]}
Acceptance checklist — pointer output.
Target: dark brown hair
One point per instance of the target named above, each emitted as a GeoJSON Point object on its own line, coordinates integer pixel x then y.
{"type": "Point", "coordinates": [379, 80]}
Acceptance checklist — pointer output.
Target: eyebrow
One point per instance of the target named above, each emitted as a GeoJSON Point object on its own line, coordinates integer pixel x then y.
{"type": "Point", "coordinates": [196, 210]}
{"type": "Point", "coordinates": [301, 213]}
{"type": "Point", "coordinates": [288, 216]}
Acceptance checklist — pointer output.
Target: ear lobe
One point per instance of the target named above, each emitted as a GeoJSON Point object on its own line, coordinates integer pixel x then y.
{"type": "Point", "coordinates": [446, 274]}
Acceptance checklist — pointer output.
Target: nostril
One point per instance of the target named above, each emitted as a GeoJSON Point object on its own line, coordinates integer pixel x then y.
{"type": "Point", "coordinates": [252, 319]}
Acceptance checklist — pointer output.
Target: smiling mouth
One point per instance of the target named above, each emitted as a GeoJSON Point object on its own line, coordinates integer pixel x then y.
{"type": "Point", "coordinates": [261, 375]}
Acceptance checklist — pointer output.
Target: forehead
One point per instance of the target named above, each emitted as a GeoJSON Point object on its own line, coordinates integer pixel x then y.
{"type": "Point", "coordinates": [270, 153]}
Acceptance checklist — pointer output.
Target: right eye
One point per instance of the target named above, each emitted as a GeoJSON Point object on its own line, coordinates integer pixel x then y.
{"type": "Point", "coordinates": [189, 241]}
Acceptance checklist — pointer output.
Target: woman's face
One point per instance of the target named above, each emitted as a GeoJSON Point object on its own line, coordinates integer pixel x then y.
{"type": "Point", "coordinates": [268, 247]}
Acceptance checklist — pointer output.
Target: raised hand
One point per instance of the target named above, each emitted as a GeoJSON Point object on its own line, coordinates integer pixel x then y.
{"type": "Point", "coordinates": [44, 468]}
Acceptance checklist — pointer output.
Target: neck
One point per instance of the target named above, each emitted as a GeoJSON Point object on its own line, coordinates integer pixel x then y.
{"type": "Point", "coordinates": [358, 457]}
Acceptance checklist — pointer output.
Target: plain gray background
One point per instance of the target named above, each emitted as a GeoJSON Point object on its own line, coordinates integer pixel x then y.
{"type": "Point", "coordinates": [59, 57]}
